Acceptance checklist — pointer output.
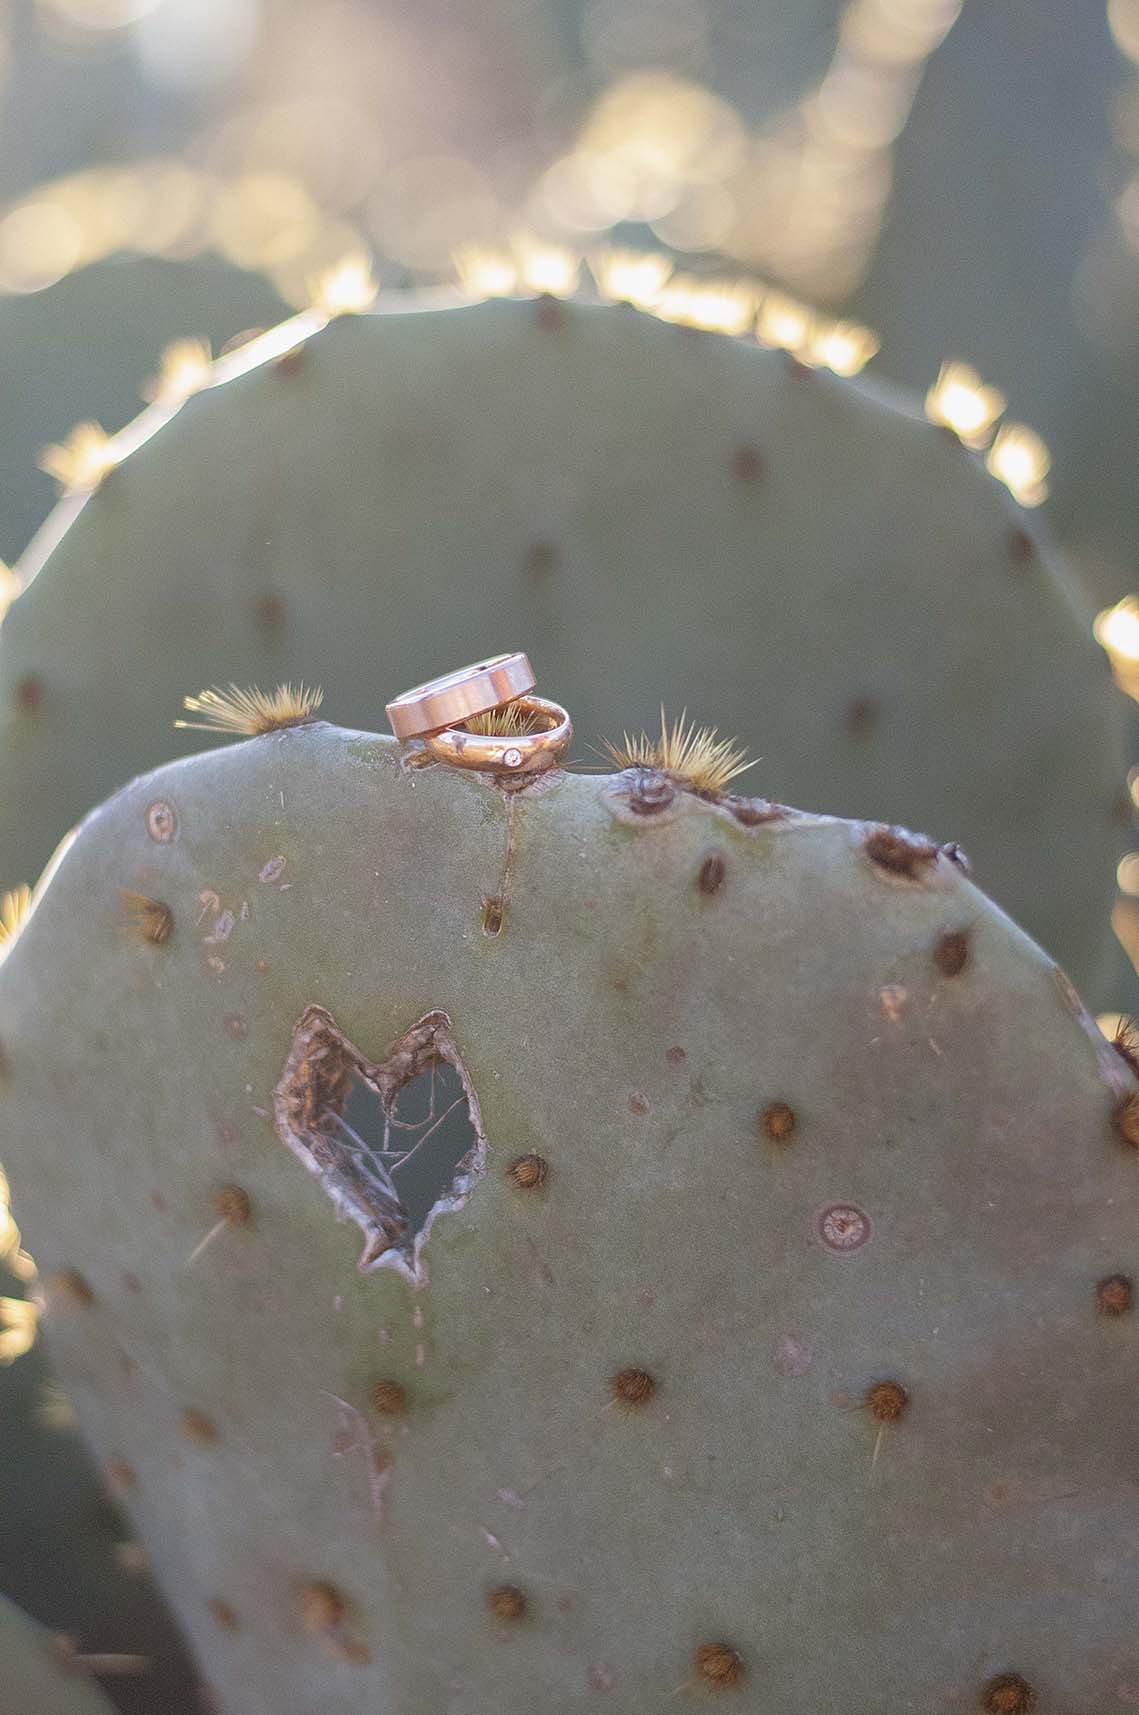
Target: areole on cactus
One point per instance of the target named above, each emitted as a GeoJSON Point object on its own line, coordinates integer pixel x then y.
{"type": "Point", "coordinates": [731, 1295]}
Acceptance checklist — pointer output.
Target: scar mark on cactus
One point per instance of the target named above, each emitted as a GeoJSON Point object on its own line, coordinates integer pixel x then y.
{"type": "Point", "coordinates": [29, 694]}
{"type": "Point", "coordinates": [710, 876]}
{"type": "Point", "coordinates": [354, 1436]}
{"type": "Point", "coordinates": [269, 611]}
{"type": "Point", "coordinates": [900, 853]}
{"type": "Point", "coordinates": [640, 796]}
{"type": "Point", "coordinates": [161, 822]}
{"type": "Point", "coordinates": [223, 1615]}
{"type": "Point", "coordinates": [494, 904]}
{"type": "Point", "coordinates": [271, 871]}
{"type": "Point", "coordinates": [321, 1074]}
{"type": "Point", "coordinates": [951, 952]}
{"type": "Point", "coordinates": [843, 1227]}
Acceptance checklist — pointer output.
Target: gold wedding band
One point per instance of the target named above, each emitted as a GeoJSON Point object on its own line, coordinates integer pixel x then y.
{"type": "Point", "coordinates": [511, 753]}
{"type": "Point", "coordinates": [457, 696]}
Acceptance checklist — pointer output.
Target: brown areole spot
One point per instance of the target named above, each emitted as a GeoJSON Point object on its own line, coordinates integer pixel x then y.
{"type": "Point", "coordinates": [778, 1122]}
{"type": "Point", "coordinates": [389, 1398]}
{"type": "Point", "coordinates": [719, 1665]}
{"type": "Point", "coordinates": [528, 1171]}
{"type": "Point", "coordinates": [633, 1387]}
{"type": "Point", "coordinates": [506, 1602]}
{"type": "Point", "coordinates": [1113, 1295]}
{"type": "Point", "coordinates": [887, 1401]}
{"type": "Point", "coordinates": [1008, 1694]}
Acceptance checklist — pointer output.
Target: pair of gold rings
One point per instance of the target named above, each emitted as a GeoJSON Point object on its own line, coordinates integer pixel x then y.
{"type": "Point", "coordinates": [536, 732]}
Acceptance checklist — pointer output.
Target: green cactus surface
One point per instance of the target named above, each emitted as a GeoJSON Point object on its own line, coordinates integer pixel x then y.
{"type": "Point", "coordinates": [35, 1675]}
{"type": "Point", "coordinates": [652, 511]}
{"type": "Point", "coordinates": [773, 1337]}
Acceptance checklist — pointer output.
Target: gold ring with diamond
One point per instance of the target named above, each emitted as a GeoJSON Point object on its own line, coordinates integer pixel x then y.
{"type": "Point", "coordinates": [457, 696]}
{"type": "Point", "coordinates": [519, 752]}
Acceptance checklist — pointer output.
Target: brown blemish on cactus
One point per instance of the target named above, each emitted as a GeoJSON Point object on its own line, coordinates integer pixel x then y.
{"type": "Point", "coordinates": [541, 558]}
{"type": "Point", "coordinates": [68, 1286]}
{"type": "Point", "coordinates": [1113, 1295]}
{"type": "Point", "coordinates": [321, 1608]}
{"type": "Point", "coordinates": [161, 822]}
{"type": "Point", "coordinates": [861, 716]}
{"type": "Point", "coordinates": [777, 1122]}
{"type": "Point", "coordinates": [196, 1426]}
{"type": "Point", "coordinates": [632, 1387]}
{"type": "Point", "coordinates": [321, 1072]}
{"type": "Point", "coordinates": [900, 853]}
{"type": "Point", "coordinates": [223, 1615]}
{"type": "Point", "coordinates": [323, 1612]}
{"type": "Point", "coordinates": [1008, 1694]}
{"type": "Point", "coordinates": [528, 1171]}
{"type": "Point", "coordinates": [232, 1206]}
{"type": "Point", "coordinates": [710, 876]}
{"type": "Point", "coordinates": [843, 1227]}
{"type": "Point", "coordinates": [236, 1026]}
{"type": "Point", "coordinates": [150, 919]}
{"type": "Point", "coordinates": [675, 1056]}
{"type": "Point", "coordinates": [639, 1102]}
{"type": "Point", "coordinates": [886, 1401]}
{"type": "Point", "coordinates": [1126, 1119]}
{"type": "Point", "coordinates": [951, 952]}
{"type": "Point", "coordinates": [389, 1398]}
{"type": "Point", "coordinates": [1021, 548]}
{"type": "Point", "coordinates": [718, 1665]}
{"type": "Point", "coordinates": [28, 694]}
{"type": "Point", "coordinates": [269, 611]}
{"type": "Point", "coordinates": [506, 1602]}
{"type": "Point", "coordinates": [753, 812]}
{"type": "Point", "coordinates": [747, 463]}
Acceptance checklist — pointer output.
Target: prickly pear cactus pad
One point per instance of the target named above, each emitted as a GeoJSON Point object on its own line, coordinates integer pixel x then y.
{"type": "Point", "coordinates": [660, 510]}
{"type": "Point", "coordinates": [768, 1332]}
{"type": "Point", "coordinates": [36, 1677]}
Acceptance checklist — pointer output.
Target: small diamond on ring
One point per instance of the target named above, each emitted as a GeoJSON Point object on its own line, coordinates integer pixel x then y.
{"type": "Point", "coordinates": [512, 757]}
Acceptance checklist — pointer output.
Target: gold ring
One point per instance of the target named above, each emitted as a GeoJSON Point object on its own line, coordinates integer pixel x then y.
{"type": "Point", "coordinates": [457, 696]}
{"type": "Point", "coordinates": [511, 752]}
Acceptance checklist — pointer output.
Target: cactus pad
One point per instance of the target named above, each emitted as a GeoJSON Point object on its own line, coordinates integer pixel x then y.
{"type": "Point", "coordinates": [763, 1337]}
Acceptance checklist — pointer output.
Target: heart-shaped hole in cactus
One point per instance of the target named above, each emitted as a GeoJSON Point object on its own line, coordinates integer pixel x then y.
{"type": "Point", "coordinates": [393, 1143]}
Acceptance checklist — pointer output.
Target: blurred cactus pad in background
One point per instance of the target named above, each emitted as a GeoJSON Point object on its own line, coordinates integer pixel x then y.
{"type": "Point", "coordinates": [664, 512]}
